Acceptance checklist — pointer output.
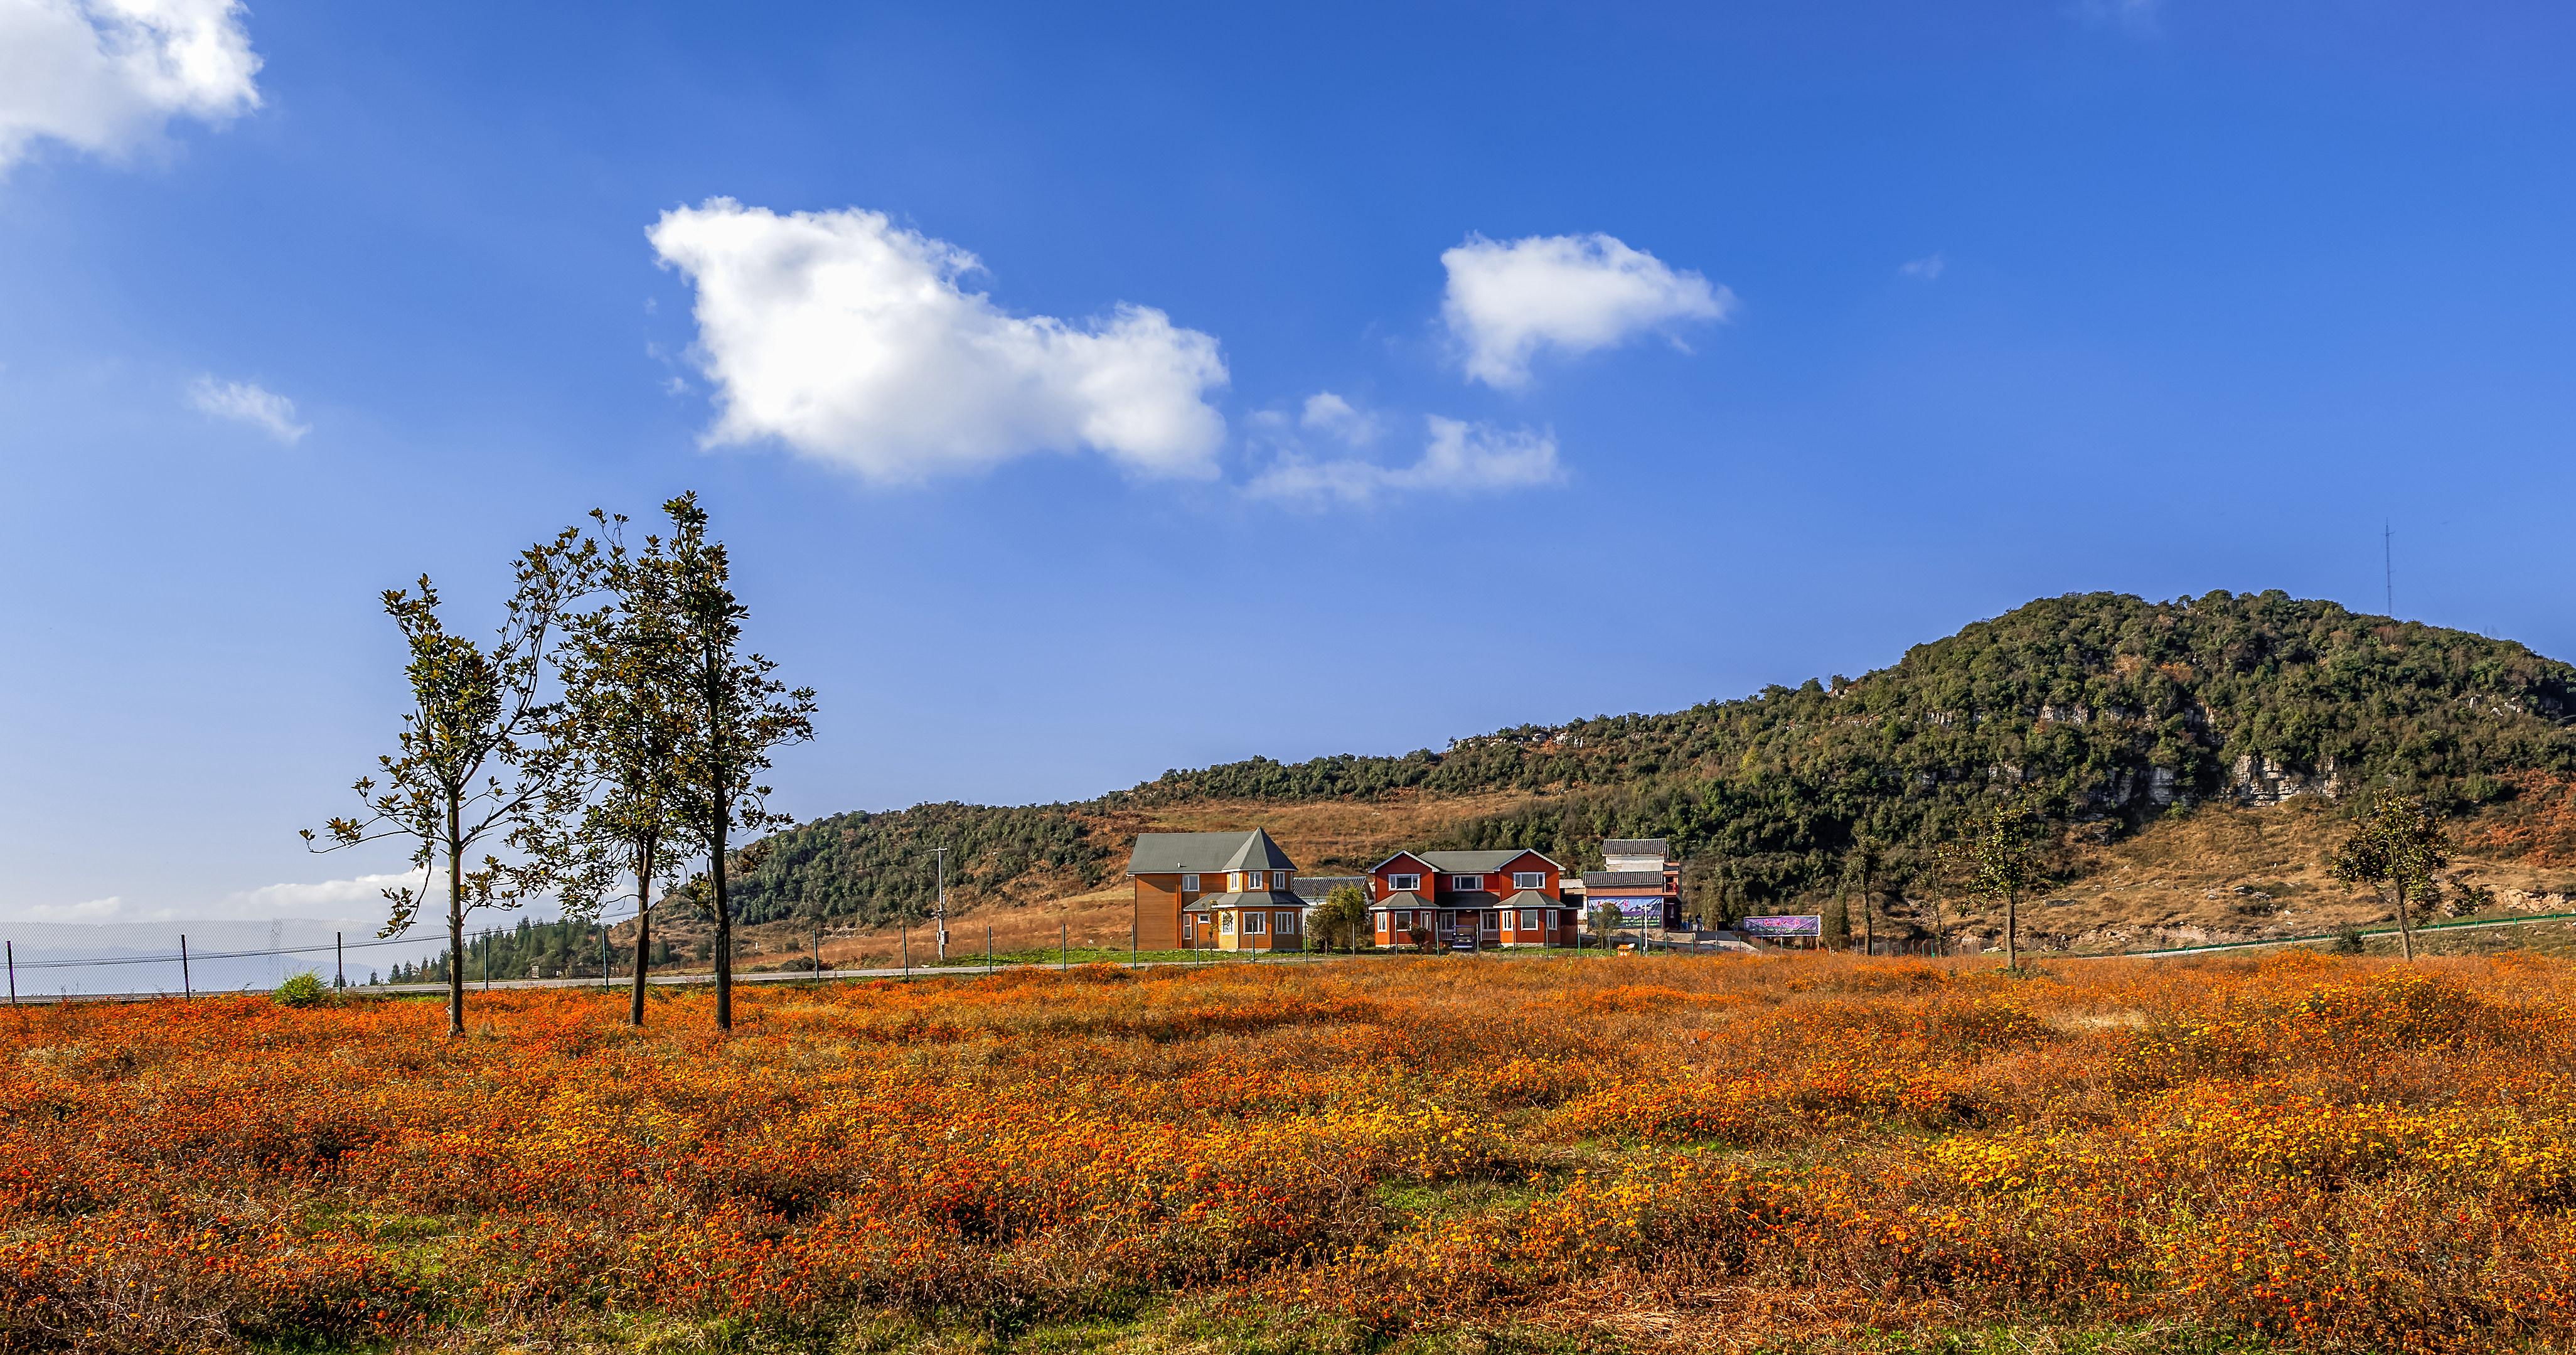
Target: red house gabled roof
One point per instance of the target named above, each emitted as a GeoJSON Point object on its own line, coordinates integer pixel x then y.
{"type": "Point", "coordinates": [1403, 856]}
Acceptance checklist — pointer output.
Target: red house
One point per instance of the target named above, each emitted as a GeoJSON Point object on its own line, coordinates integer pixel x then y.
{"type": "Point", "coordinates": [1513, 897]}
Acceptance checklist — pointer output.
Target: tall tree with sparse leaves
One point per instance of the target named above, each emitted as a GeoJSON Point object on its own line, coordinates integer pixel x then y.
{"type": "Point", "coordinates": [1866, 859]}
{"type": "Point", "coordinates": [471, 765]}
{"type": "Point", "coordinates": [2396, 847]}
{"type": "Point", "coordinates": [621, 730]}
{"type": "Point", "coordinates": [737, 714]}
{"type": "Point", "coordinates": [1997, 857]}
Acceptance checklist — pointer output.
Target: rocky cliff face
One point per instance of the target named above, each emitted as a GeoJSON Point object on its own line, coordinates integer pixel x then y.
{"type": "Point", "coordinates": [2262, 781]}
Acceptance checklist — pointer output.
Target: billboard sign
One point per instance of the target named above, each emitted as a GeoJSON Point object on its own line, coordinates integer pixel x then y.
{"type": "Point", "coordinates": [1807, 924]}
{"type": "Point", "coordinates": [1647, 910]}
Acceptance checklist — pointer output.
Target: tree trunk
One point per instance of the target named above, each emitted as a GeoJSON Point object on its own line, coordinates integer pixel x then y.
{"type": "Point", "coordinates": [2012, 919]}
{"type": "Point", "coordinates": [1868, 924]}
{"type": "Point", "coordinates": [643, 934]}
{"type": "Point", "coordinates": [455, 924]}
{"type": "Point", "coordinates": [2405, 931]}
{"type": "Point", "coordinates": [724, 926]}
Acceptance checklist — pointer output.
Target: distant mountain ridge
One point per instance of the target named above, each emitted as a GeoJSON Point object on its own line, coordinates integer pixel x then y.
{"type": "Point", "coordinates": [2099, 708]}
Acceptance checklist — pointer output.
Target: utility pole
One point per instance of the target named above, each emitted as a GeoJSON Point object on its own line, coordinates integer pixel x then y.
{"type": "Point", "coordinates": [941, 855]}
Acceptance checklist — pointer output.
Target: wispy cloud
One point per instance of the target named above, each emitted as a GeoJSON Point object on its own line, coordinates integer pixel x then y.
{"type": "Point", "coordinates": [243, 402]}
{"type": "Point", "coordinates": [2135, 16]}
{"type": "Point", "coordinates": [1508, 301]}
{"type": "Point", "coordinates": [1457, 458]}
{"type": "Point", "coordinates": [1924, 269]}
{"type": "Point", "coordinates": [106, 76]}
{"type": "Point", "coordinates": [359, 899]}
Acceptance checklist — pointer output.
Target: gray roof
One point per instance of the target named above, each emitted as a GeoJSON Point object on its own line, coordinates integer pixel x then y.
{"type": "Point", "coordinates": [1313, 888]}
{"type": "Point", "coordinates": [1636, 846]}
{"type": "Point", "coordinates": [1623, 879]}
{"type": "Point", "coordinates": [1206, 853]}
{"type": "Point", "coordinates": [1266, 898]}
{"type": "Point", "coordinates": [1477, 863]}
{"type": "Point", "coordinates": [1402, 898]}
{"type": "Point", "coordinates": [1530, 898]}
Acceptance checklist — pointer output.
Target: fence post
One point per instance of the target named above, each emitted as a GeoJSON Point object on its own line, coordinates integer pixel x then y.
{"type": "Point", "coordinates": [339, 963]}
{"type": "Point", "coordinates": [818, 949]}
{"type": "Point", "coordinates": [187, 986]}
{"type": "Point", "coordinates": [907, 951]}
{"type": "Point", "coordinates": [1063, 944]}
{"type": "Point", "coordinates": [13, 973]}
{"type": "Point", "coordinates": [603, 953]}
{"type": "Point", "coordinates": [988, 947]}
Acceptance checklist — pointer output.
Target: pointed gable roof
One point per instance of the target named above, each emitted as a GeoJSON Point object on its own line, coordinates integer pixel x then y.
{"type": "Point", "coordinates": [1206, 853]}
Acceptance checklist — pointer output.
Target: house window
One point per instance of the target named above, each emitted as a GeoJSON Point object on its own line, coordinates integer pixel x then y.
{"type": "Point", "coordinates": [1489, 921]}
{"type": "Point", "coordinates": [1384, 921]}
{"type": "Point", "coordinates": [1285, 924]}
{"type": "Point", "coordinates": [1189, 884]}
{"type": "Point", "coordinates": [1401, 883]}
{"type": "Point", "coordinates": [1252, 924]}
{"type": "Point", "coordinates": [1529, 879]}
{"type": "Point", "coordinates": [1225, 923]}
{"type": "Point", "coordinates": [1278, 879]}
{"type": "Point", "coordinates": [1466, 883]}
{"type": "Point", "coordinates": [1529, 919]}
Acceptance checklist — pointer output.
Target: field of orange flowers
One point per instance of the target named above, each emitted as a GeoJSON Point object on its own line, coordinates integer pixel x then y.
{"type": "Point", "coordinates": [1810, 1153]}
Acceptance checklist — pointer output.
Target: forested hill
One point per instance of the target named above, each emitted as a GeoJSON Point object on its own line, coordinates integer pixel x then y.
{"type": "Point", "coordinates": [2096, 707]}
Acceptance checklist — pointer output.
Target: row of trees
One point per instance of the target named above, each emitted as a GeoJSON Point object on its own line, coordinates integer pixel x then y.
{"type": "Point", "coordinates": [614, 728]}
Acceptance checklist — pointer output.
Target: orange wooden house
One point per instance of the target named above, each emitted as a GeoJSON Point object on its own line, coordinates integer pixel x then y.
{"type": "Point", "coordinates": [1215, 891]}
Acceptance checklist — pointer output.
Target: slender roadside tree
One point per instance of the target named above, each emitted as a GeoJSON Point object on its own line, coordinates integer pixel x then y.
{"type": "Point", "coordinates": [1866, 859]}
{"type": "Point", "coordinates": [470, 766]}
{"type": "Point", "coordinates": [1996, 857]}
{"type": "Point", "coordinates": [736, 713]}
{"type": "Point", "coordinates": [619, 733]}
{"type": "Point", "coordinates": [2395, 850]}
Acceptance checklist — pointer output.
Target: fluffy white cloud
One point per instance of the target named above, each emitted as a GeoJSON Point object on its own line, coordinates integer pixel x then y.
{"type": "Point", "coordinates": [1574, 293]}
{"type": "Point", "coordinates": [852, 341]}
{"type": "Point", "coordinates": [109, 909]}
{"type": "Point", "coordinates": [105, 76]}
{"type": "Point", "coordinates": [243, 402]}
{"type": "Point", "coordinates": [1924, 269]}
{"type": "Point", "coordinates": [1457, 458]}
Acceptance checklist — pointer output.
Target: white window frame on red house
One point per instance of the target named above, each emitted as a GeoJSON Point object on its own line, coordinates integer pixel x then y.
{"type": "Point", "coordinates": [1252, 924]}
{"type": "Point", "coordinates": [1404, 884]}
{"type": "Point", "coordinates": [1189, 884]}
{"type": "Point", "coordinates": [1529, 879]}
{"type": "Point", "coordinates": [1466, 884]}
{"type": "Point", "coordinates": [1283, 924]}
{"type": "Point", "coordinates": [1529, 919]}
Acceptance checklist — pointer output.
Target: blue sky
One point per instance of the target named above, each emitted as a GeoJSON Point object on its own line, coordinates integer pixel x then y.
{"type": "Point", "coordinates": [1327, 378]}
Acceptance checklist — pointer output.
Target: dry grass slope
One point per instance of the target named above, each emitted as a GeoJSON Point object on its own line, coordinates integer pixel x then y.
{"type": "Point", "coordinates": [1685, 1154]}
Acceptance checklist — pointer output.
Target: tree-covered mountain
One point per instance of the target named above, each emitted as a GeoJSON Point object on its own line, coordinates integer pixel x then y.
{"type": "Point", "coordinates": [2096, 708]}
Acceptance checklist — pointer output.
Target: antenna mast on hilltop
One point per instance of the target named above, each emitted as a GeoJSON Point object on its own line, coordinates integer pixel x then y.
{"type": "Point", "coordinates": [2388, 566]}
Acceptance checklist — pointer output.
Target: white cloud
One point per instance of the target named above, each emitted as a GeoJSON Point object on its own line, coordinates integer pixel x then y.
{"type": "Point", "coordinates": [357, 900]}
{"type": "Point", "coordinates": [851, 340]}
{"type": "Point", "coordinates": [1924, 269]}
{"type": "Point", "coordinates": [243, 402]}
{"type": "Point", "coordinates": [105, 76]}
{"type": "Point", "coordinates": [109, 909]}
{"type": "Point", "coordinates": [1574, 293]}
{"type": "Point", "coordinates": [1334, 417]}
{"type": "Point", "coordinates": [1457, 458]}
